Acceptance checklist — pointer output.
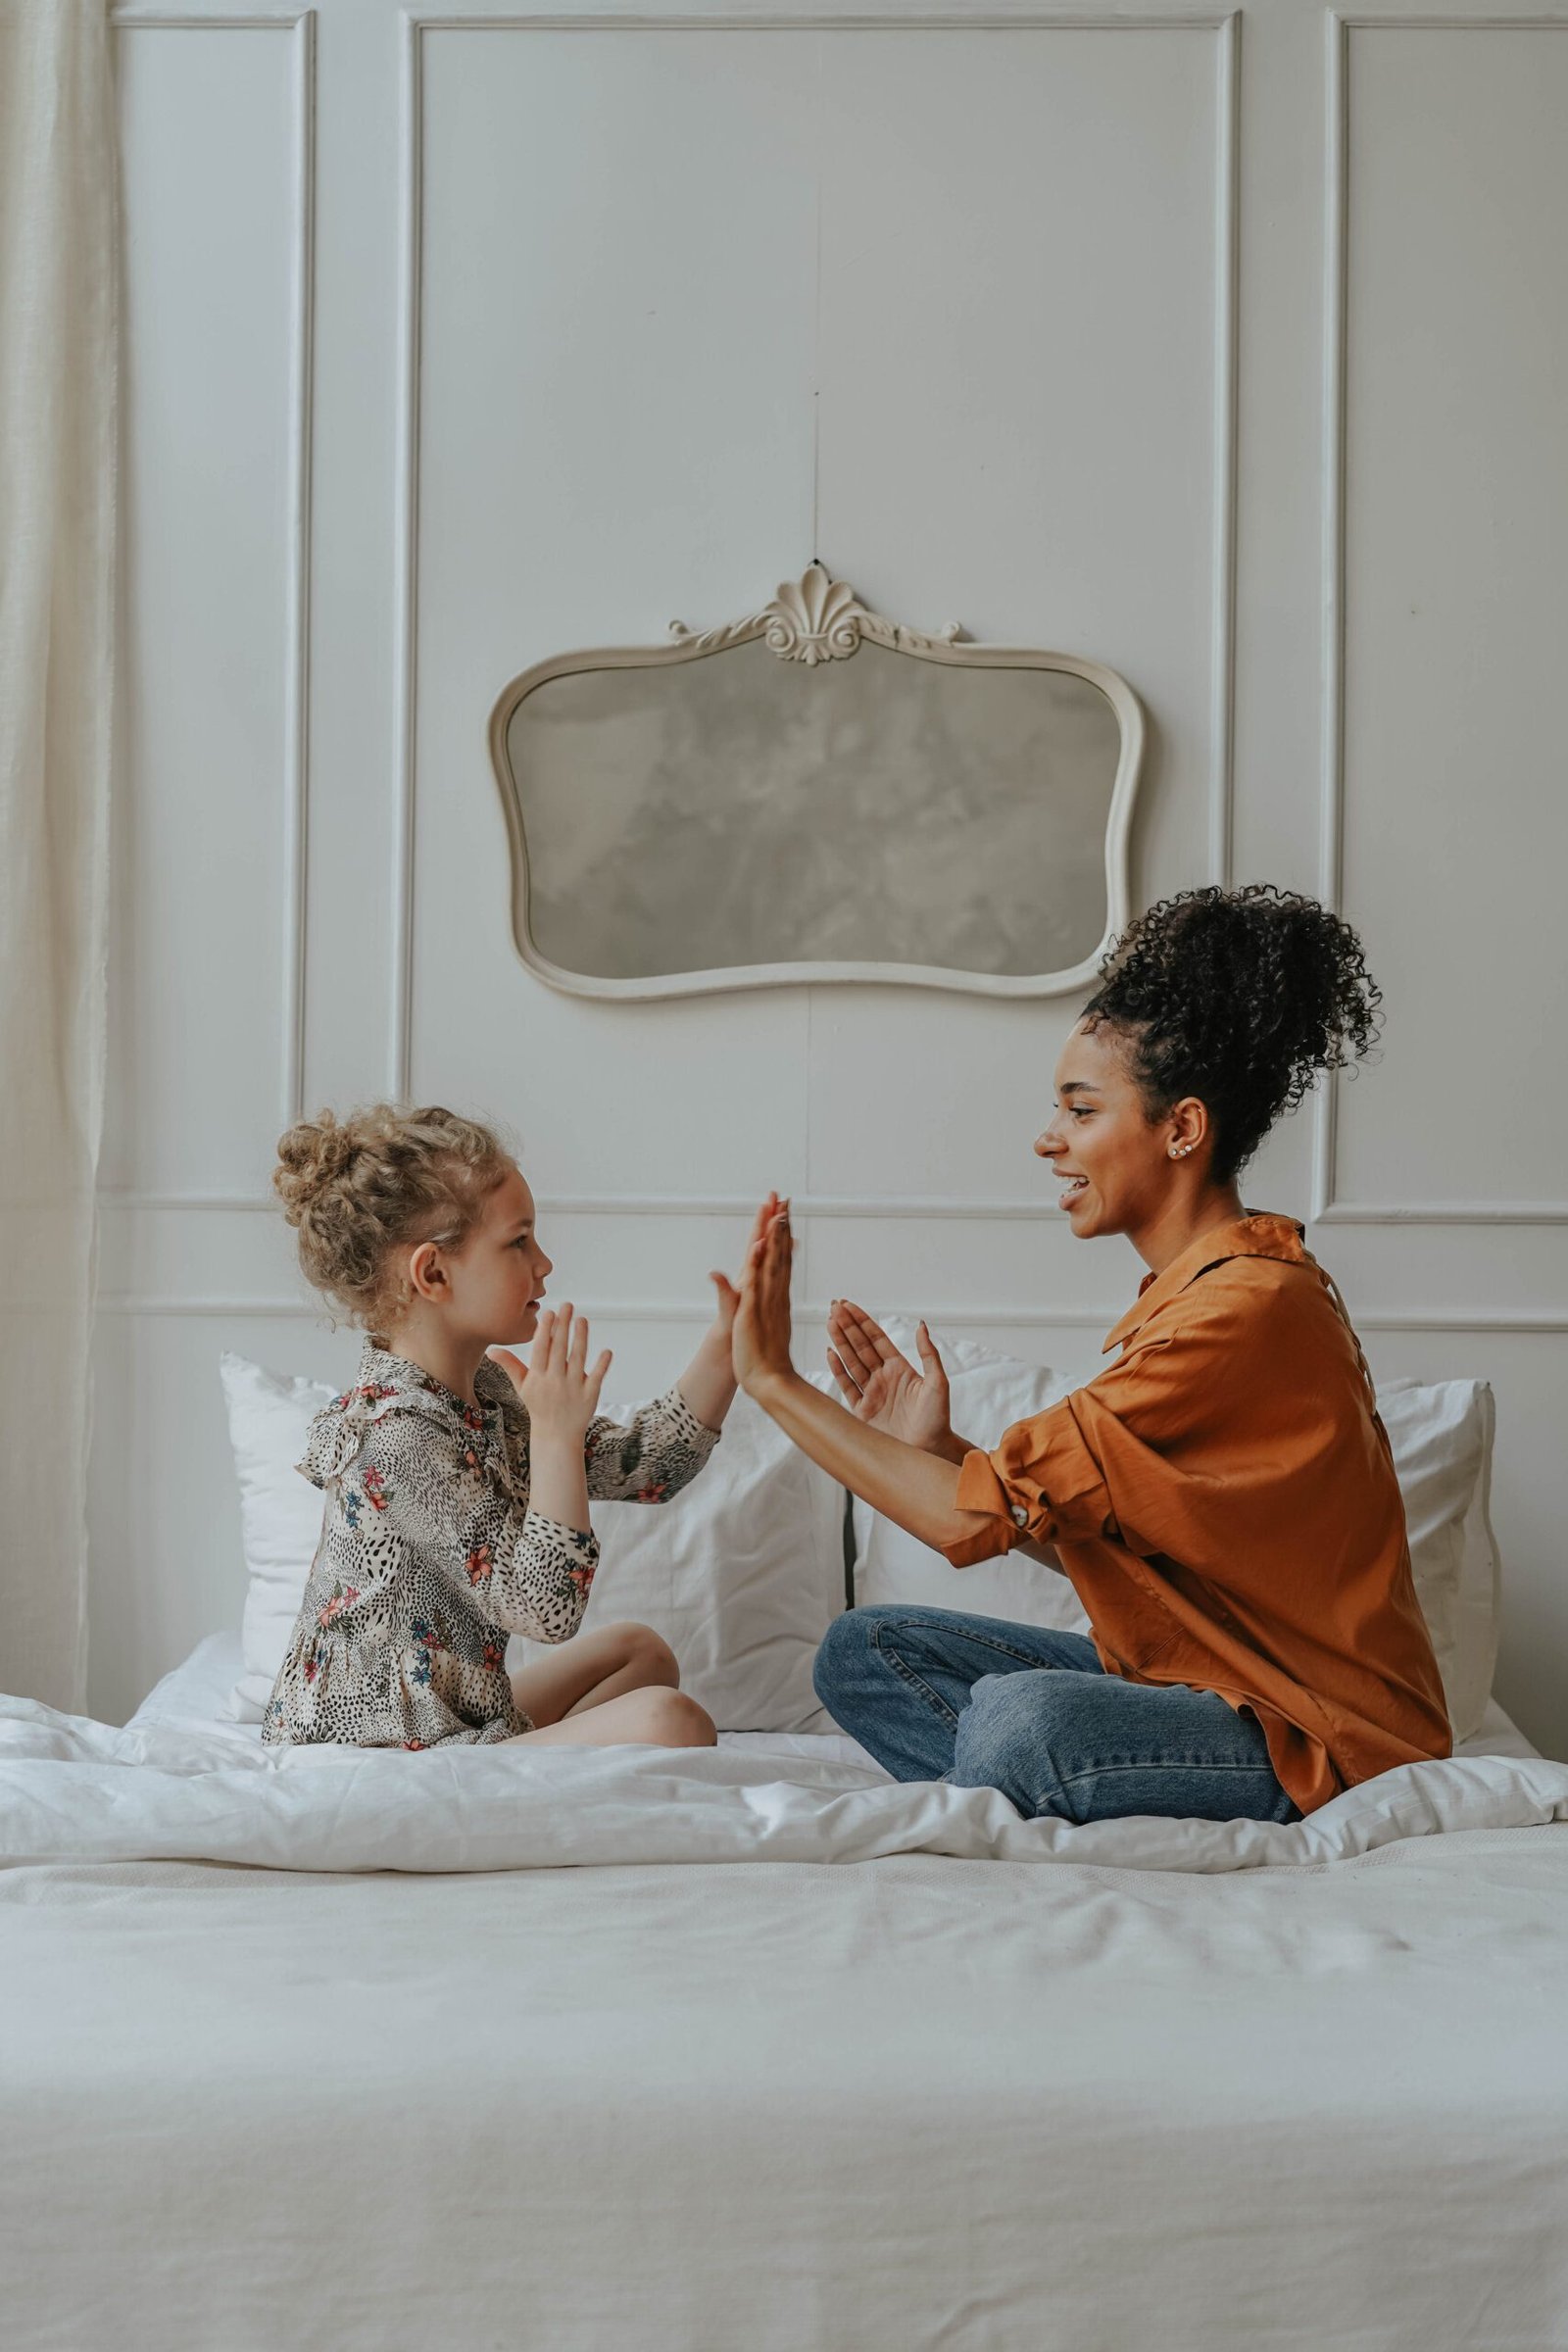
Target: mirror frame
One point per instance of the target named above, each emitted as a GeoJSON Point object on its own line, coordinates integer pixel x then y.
{"type": "Point", "coordinates": [812, 620]}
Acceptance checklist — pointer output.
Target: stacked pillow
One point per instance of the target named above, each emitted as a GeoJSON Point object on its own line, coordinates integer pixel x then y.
{"type": "Point", "coordinates": [744, 1571]}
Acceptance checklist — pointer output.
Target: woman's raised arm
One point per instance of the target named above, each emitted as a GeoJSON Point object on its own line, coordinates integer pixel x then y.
{"type": "Point", "coordinates": [907, 1485]}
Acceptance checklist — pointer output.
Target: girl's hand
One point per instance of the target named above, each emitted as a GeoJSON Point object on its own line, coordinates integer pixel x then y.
{"type": "Point", "coordinates": [760, 1338]}
{"type": "Point", "coordinates": [881, 1387]}
{"type": "Point", "coordinates": [561, 1390]}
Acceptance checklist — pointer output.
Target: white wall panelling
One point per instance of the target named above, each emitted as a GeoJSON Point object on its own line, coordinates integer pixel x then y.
{"type": "Point", "coordinates": [299, 27]}
{"type": "Point", "coordinates": [458, 339]}
{"type": "Point", "coordinates": [1453, 314]}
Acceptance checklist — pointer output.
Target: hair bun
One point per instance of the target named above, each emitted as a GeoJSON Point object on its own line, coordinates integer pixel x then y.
{"type": "Point", "coordinates": [311, 1156]}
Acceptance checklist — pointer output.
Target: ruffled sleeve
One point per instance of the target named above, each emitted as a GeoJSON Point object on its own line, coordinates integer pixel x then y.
{"type": "Point", "coordinates": [660, 1450]}
{"type": "Point", "coordinates": [647, 1459]}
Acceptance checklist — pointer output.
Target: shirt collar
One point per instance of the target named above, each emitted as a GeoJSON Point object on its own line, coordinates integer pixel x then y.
{"type": "Point", "coordinates": [1260, 1235]}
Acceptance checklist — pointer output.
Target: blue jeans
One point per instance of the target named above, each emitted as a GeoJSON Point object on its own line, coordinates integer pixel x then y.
{"type": "Point", "coordinates": [936, 1695]}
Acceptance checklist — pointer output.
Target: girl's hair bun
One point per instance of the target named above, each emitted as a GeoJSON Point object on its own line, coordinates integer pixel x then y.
{"type": "Point", "coordinates": [309, 1156]}
{"type": "Point", "coordinates": [361, 1190]}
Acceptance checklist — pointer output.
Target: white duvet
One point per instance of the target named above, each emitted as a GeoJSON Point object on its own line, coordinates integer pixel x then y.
{"type": "Point", "coordinates": [173, 1786]}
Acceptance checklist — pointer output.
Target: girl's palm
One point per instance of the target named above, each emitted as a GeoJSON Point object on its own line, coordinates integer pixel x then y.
{"type": "Point", "coordinates": [561, 1390]}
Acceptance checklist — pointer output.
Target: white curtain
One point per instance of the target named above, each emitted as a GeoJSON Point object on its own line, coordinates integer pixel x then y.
{"type": "Point", "coordinates": [58, 412]}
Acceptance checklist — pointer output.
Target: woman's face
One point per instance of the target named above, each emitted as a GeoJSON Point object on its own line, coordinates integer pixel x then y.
{"type": "Point", "coordinates": [1112, 1161]}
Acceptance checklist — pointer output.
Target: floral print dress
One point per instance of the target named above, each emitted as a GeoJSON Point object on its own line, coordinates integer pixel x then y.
{"type": "Point", "coordinates": [430, 1555]}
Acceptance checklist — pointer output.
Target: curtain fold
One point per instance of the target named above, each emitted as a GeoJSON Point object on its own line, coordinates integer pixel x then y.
{"type": "Point", "coordinates": [58, 470]}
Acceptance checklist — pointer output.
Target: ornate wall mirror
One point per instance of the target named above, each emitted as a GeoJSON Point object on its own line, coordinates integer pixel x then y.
{"type": "Point", "coordinates": [816, 792]}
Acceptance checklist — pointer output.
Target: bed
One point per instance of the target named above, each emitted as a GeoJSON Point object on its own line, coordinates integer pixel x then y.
{"type": "Point", "coordinates": [754, 2048]}
{"type": "Point", "coordinates": [1043, 2088]}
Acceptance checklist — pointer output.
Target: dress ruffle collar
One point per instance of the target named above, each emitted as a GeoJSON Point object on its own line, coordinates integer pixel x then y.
{"type": "Point", "coordinates": [390, 1384]}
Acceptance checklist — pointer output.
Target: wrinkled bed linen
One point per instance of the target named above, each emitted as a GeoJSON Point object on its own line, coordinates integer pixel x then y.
{"type": "Point", "coordinates": [75, 1791]}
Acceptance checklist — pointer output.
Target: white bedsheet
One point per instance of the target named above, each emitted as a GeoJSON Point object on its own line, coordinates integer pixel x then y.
{"type": "Point", "coordinates": [1137, 2098]}
{"type": "Point", "coordinates": [170, 1788]}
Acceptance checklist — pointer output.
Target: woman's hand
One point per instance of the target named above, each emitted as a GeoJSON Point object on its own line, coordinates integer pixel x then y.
{"type": "Point", "coordinates": [718, 1335]}
{"type": "Point", "coordinates": [561, 1391]}
{"type": "Point", "coordinates": [707, 1382]}
{"type": "Point", "coordinates": [881, 1387]}
{"type": "Point", "coordinates": [760, 1338]}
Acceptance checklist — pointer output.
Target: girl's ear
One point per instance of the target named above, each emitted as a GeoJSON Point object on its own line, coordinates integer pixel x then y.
{"type": "Point", "coordinates": [427, 1276]}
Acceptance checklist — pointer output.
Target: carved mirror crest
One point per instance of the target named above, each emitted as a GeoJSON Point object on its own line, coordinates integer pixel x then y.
{"type": "Point", "coordinates": [816, 792]}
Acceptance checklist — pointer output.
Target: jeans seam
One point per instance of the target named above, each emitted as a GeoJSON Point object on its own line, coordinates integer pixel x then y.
{"type": "Point", "coordinates": [1156, 1764]}
{"type": "Point", "coordinates": [907, 1674]}
{"type": "Point", "coordinates": [1002, 1649]}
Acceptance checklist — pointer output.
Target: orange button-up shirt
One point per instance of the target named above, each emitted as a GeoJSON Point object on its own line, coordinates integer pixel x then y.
{"type": "Point", "coordinates": [1223, 1498]}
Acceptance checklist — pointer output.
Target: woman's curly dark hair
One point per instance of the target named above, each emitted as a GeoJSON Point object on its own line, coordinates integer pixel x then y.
{"type": "Point", "coordinates": [1238, 997]}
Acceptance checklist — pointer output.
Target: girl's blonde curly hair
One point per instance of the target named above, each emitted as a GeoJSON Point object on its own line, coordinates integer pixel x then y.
{"type": "Point", "coordinates": [361, 1188]}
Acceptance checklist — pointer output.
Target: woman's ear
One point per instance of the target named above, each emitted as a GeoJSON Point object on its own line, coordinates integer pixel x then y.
{"type": "Point", "coordinates": [1188, 1126]}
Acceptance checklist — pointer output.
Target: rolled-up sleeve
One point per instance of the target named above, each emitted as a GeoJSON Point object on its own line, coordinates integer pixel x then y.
{"type": "Point", "coordinates": [1043, 1481]}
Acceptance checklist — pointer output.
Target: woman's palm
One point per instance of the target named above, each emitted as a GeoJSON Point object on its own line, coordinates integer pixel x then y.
{"type": "Point", "coordinates": [880, 1386]}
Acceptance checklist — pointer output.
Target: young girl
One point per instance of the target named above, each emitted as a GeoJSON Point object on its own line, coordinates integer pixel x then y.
{"type": "Point", "coordinates": [458, 1479]}
{"type": "Point", "coordinates": [1222, 1496]}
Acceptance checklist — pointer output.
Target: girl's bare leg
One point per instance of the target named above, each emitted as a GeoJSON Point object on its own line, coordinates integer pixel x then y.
{"type": "Point", "coordinates": [592, 1669]}
{"type": "Point", "coordinates": [652, 1717]}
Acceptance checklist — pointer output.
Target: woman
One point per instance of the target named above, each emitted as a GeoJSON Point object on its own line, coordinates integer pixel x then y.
{"type": "Point", "coordinates": [1222, 1496]}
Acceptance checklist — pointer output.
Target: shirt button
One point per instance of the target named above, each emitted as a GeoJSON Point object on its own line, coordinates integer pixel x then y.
{"type": "Point", "coordinates": [1021, 1517]}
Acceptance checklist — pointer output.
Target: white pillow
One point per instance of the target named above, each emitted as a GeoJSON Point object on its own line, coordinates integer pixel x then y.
{"type": "Point", "coordinates": [742, 1572]}
{"type": "Point", "coordinates": [1441, 1432]}
{"type": "Point", "coordinates": [270, 1414]}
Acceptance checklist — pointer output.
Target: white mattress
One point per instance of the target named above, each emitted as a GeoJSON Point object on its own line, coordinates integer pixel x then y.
{"type": "Point", "coordinates": [1043, 2104]}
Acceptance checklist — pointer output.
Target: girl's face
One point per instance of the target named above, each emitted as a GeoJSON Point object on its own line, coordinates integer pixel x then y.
{"type": "Point", "coordinates": [1112, 1161]}
{"type": "Point", "coordinates": [498, 1276]}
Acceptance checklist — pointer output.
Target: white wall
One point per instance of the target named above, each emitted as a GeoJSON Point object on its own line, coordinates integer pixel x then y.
{"type": "Point", "coordinates": [459, 344]}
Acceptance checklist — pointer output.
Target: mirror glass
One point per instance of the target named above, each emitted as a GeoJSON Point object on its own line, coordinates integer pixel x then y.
{"type": "Point", "coordinates": [736, 809]}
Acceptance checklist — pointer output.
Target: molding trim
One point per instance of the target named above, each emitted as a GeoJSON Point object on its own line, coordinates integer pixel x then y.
{"type": "Point", "coordinates": [297, 790]}
{"type": "Point", "coordinates": [685, 1311]}
{"type": "Point", "coordinates": [652, 1205]}
{"type": "Point", "coordinates": [1328, 1208]}
{"type": "Point", "coordinates": [301, 25]}
{"type": "Point", "coordinates": [1222, 622]}
{"type": "Point", "coordinates": [1224, 22]}
{"type": "Point", "coordinates": [824, 1205]}
{"type": "Point", "coordinates": [406, 558]}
